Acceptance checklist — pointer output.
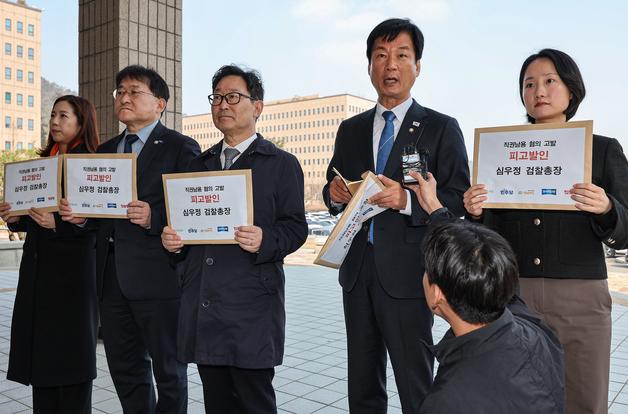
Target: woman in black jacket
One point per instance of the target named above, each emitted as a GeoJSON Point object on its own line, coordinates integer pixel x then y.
{"type": "Point", "coordinates": [55, 318]}
{"type": "Point", "coordinates": [560, 256]}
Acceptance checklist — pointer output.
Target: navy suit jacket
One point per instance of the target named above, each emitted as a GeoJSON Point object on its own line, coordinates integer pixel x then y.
{"type": "Point", "coordinates": [397, 237]}
{"type": "Point", "coordinates": [142, 264]}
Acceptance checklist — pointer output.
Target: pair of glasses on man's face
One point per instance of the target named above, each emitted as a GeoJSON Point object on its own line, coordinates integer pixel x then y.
{"type": "Point", "coordinates": [231, 98]}
{"type": "Point", "coordinates": [133, 93]}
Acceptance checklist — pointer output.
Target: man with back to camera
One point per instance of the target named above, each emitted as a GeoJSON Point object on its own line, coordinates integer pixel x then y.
{"type": "Point", "coordinates": [139, 292]}
{"type": "Point", "coordinates": [232, 319]}
{"type": "Point", "coordinates": [497, 357]}
{"type": "Point", "coordinates": [384, 303]}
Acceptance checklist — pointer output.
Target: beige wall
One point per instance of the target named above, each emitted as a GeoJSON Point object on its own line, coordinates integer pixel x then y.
{"type": "Point", "coordinates": [304, 126]}
{"type": "Point", "coordinates": [29, 91]}
{"type": "Point", "coordinates": [115, 34]}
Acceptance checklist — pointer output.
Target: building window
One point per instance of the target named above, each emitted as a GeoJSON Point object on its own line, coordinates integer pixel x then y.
{"type": "Point", "coordinates": [7, 49]}
{"type": "Point", "coordinates": [20, 51]}
{"type": "Point", "coordinates": [19, 75]}
{"type": "Point", "coordinates": [31, 30]}
{"type": "Point", "coordinates": [7, 73]}
{"type": "Point", "coordinates": [31, 77]}
{"type": "Point", "coordinates": [7, 25]}
{"type": "Point", "coordinates": [7, 122]}
{"type": "Point", "coordinates": [30, 145]}
{"type": "Point", "coordinates": [31, 53]}
{"type": "Point", "coordinates": [19, 99]}
{"type": "Point", "coordinates": [20, 123]}
{"type": "Point", "coordinates": [19, 146]}
{"type": "Point", "coordinates": [31, 101]}
{"type": "Point", "coordinates": [31, 125]}
{"type": "Point", "coordinates": [7, 145]}
{"type": "Point", "coordinates": [20, 27]}
{"type": "Point", "coordinates": [7, 98]}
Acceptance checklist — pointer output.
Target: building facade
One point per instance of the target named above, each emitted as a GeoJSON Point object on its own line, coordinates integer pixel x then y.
{"type": "Point", "coordinates": [20, 83]}
{"type": "Point", "coordinates": [117, 33]}
{"type": "Point", "coordinates": [304, 126]}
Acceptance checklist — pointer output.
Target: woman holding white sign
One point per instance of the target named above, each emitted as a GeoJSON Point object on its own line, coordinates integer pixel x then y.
{"type": "Point", "coordinates": [55, 319]}
{"type": "Point", "coordinates": [561, 262]}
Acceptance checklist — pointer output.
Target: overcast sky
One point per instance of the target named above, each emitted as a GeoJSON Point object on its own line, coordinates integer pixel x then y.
{"type": "Point", "coordinates": [473, 51]}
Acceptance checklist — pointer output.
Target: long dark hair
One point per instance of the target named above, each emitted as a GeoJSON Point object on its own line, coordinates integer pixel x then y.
{"type": "Point", "coordinates": [86, 117]}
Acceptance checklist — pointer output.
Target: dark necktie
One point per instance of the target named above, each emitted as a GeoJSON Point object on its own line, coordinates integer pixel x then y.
{"type": "Point", "coordinates": [230, 154]}
{"type": "Point", "coordinates": [128, 143]}
{"type": "Point", "coordinates": [386, 141]}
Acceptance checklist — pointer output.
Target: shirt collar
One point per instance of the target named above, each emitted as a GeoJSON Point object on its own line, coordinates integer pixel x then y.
{"type": "Point", "coordinates": [399, 110]}
{"type": "Point", "coordinates": [241, 147]}
{"type": "Point", "coordinates": [452, 348]}
{"type": "Point", "coordinates": [143, 133]}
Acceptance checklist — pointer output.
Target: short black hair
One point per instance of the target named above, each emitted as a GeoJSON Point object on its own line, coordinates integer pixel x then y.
{"type": "Point", "coordinates": [567, 70]}
{"type": "Point", "coordinates": [390, 29]}
{"type": "Point", "coordinates": [155, 82]}
{"type": "Point", "coordinates": [474, 267]}
{"type": "Point", "coordinates": [251, 77]}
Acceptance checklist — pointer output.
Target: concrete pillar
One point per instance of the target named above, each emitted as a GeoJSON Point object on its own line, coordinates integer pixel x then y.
{"type": "Point", "coordinates": [116, 33]}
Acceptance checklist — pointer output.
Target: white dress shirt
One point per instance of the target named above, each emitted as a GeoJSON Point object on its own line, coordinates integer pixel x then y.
{"type": "Point", "coordinates": [241, 147]}
{"type": "Point", "coordinates": [378, 126]}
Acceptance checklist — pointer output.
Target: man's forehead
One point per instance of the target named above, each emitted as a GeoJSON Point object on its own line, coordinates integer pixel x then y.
{"type": "Point", "coordinates": [132, 82]}
{"type": "Point", "coordinates": [232, 83]}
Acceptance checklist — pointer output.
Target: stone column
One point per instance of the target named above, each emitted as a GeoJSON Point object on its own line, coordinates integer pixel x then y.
{"type": "Point", "coordinates": [116, 33]}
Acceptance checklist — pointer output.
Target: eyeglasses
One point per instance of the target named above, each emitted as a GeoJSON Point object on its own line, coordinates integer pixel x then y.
{"type": "Point", "coordinates": [134, 93]}
{"type": "Point", "coordinates": [232, 98]}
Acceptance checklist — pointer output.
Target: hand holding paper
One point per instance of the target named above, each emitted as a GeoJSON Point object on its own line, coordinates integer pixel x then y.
{"type": "Point", "coordinates": [394, 196]}
{"type": "Point", "coordinates": [338, 191]}
{"type": "Point", "coordinates": [139, 213]}
{"type": "Point", "coordinates": [591, 198]}
{"type": "Point", "coordinates": [65, 211]}
{"type": "Point", "coordinates": [5, 210]}
{"type": "Point", "coordinates": [474, 199]}
{"type": "Point", "coordinates": [42, 218]}
{"type": "Point", "coordinates": [249, 238]}
{"type": "Point", "coordinates": [171, 240]}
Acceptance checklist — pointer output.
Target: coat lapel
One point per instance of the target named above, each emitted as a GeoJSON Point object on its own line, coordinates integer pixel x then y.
{"type": "Point", "coordinates": [408, 134]}
{"type": "Point", "coordinates": [366, 148]}
{"type": "Point", "coordinates": [212, 160]}
{"type": "Point", "coordinates": [153, 146]}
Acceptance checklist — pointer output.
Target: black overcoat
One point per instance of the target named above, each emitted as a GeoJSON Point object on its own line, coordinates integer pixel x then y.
{"type": "Point", "coordinates": [232, 308]}
{"type": "Point", "coordinates": [55, 316]}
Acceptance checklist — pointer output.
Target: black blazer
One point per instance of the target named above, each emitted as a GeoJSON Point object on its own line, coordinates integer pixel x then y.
{"type": "Point", "coordinates": [55, 317]}
{"type": "Point", "coordinates": [398, 237]}
{"type": "Point", "coordinates": [142, 263]}
{"type": "Point", "coordinates": [568, 244]}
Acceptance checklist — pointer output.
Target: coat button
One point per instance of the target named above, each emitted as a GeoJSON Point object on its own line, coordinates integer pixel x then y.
{"type": "Point", "coordinates": [537, 221]}
{"type": "Point", "coordinates": [537, 261]}
{"type": "Point", "coordinates": [209, 261]}
{"type": "Point", "coordinates": [206, 304]}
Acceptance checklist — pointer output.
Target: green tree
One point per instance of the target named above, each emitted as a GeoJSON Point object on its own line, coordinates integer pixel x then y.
{"type": "Point", "coordinates": [12, 156]}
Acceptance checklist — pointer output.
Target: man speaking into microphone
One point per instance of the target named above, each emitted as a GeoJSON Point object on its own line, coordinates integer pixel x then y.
{"type": "Point", "coordinates": [384, 303]}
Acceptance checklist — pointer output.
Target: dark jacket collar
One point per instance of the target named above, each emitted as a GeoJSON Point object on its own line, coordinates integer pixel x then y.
{"type": "Point", "coordinates": [259, 146]}
{"type": "Point", "coordinates": [453, 348]}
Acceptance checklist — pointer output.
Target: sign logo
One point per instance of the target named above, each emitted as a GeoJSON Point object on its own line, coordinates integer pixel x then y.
{"type": "Point", "coordinates": [41, 199]}
{"type": "Point", "coordinates": [222, 229]}
{"type": "Point", "coordinates": [112, 205]}
{"type": "Point", "coordinates": [548, 191]}
{"type": "Point", "coordinates": [506, 191]}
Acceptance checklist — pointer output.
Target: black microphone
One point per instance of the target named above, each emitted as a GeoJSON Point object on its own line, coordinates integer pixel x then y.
{"type": "Point", "coordinates": [414, 159]}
